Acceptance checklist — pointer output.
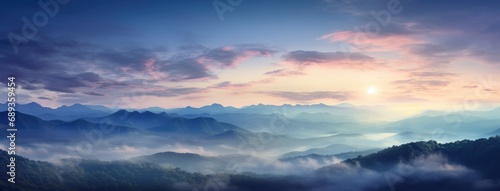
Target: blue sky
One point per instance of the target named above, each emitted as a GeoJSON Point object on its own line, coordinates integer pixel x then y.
{"type": "Point", "coordinates": [415, 54]}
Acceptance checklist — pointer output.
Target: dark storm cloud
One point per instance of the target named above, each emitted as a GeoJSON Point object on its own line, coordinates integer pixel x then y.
{"type": "Point", "coordinates": [133, 58]}
{"type": "Point", "coordinates": [310, 96]}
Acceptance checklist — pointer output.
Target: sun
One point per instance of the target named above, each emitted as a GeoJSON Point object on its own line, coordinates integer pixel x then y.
{"type": "Point", "coordinates": [372, 90]}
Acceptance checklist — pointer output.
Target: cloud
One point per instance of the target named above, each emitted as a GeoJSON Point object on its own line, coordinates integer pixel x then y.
{"type": "Point", "coordinates": [231, 56]}
{"type": "Point", "coordinates": [423, 80]}
{"type": "Point", "coordinates": [343, 59]}
{"type": "Point", "coordinates": [433, 39]}
{"type": "Point", "coordinates": [310, 96]}
{"type": "Point", "coordinates": [284, 72]}
{"type": "Point", "coordinates": [125, 58]}
{"type": "Point", "coordinates": [44, 98]}
{"type": "Point", "coordinates": [52, 65]}
{"type": "Point", "coordinates": [73, 67]}
{"type": "Point", "coordinates": [172, 92]}
{"type": "Point", "coordinates": [186, 69]}
{"type": "Point", "coordinates": [93, 94]}
{"type": "Point", "coordinates": [263, 81]}
{"type": "Point", "coordinates": [361, 41]}
{"type": "Point", "coordinates": [431, 74]}
{"type": "Point", "coordinates": [415, 84]}
{"type": "Point", "coordinates": [199, 62]}
{"type": "Point", "coordinates": [228, 84]}
{"type": "Point", "coordinates": [471, 86]}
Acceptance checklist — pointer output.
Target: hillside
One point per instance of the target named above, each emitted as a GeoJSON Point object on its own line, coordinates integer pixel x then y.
{"type": "Point", "coordinates": [462, 165]}
{"type": "Point", "coordinates": [481, 154]}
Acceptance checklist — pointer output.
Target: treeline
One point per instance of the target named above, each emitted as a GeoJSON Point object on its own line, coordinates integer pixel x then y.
{"type": "Point", "coordinates": [76, 174]}
{"type": "Point", "coordinates": [482, 155]}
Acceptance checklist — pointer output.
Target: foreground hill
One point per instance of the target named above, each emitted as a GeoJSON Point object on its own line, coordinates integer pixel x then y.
{"type": "Point", "coordinates": [92, 175]}
{"type": "Point", "coordinates": [192, 162]}
{"type": "Point", "coordinates": [482, 155]}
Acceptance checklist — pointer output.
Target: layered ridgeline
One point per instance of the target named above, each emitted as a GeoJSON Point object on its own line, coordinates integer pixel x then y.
{"type": "Point", "coordinates": [146, 129]}
{"type": "Point", "coordinates": [293, 131]}
{"type": "Point", "coordinates": [462, 165]}
{"type": "Point", "coordinates": [300, 121]}
{"type": "Point", "coordinates": [300, 147]}
{"type": "Point", "coordinates": [76, 111]}
{"type": "Point", "coordinates": [64, 112]}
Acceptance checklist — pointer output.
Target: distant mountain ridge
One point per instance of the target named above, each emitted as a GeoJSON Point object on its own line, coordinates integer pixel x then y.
{"type": "Point", "coordinates": [34, 128]}
{"type": "Point", "coordinates": [68, 112]}
{"type": "Point", "coordinates": [64, 112]}
{"type": "Point", "coordinates": [38, 130]}
{"type": "Point", "coordinates": [165, 123]}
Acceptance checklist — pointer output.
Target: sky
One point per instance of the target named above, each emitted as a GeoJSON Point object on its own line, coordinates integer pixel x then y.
{"type": "Point", "coordinates": [408, 54]}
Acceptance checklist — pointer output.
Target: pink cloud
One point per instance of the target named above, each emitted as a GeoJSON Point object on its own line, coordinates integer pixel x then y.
{"type": "Point", "coordinates": [363, 41]}
{"type": "Point", "coordinates": [285, 72]}
{"type": "Point", "coordinates": [228, 85]}
{"type": "Point", "coordinates": [227, 48]}
{"type": "Point", "coordinates": [237, 86]}
{"type": "Point", "coordinates": [152, 69]}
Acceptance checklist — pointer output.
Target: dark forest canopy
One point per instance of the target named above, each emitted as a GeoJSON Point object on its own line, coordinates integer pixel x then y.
{"type": "Point", "coordinates": [481, 155]}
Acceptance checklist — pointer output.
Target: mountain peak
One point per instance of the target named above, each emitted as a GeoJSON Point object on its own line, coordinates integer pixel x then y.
{"type": "Point", "coordinates": [148, 113]}
{"type": "Point", "coordinates": [74, 106]}
{"type": "Point", "coordinates": [216, 105]}
{"type": "Point", "coordinates": [120, 112]}
{"type": "Point", "coordinates": [33, 104]}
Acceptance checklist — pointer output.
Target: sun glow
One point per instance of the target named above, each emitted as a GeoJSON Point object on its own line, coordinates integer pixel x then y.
{"type": "Point", "coordinates": [372, 90]}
